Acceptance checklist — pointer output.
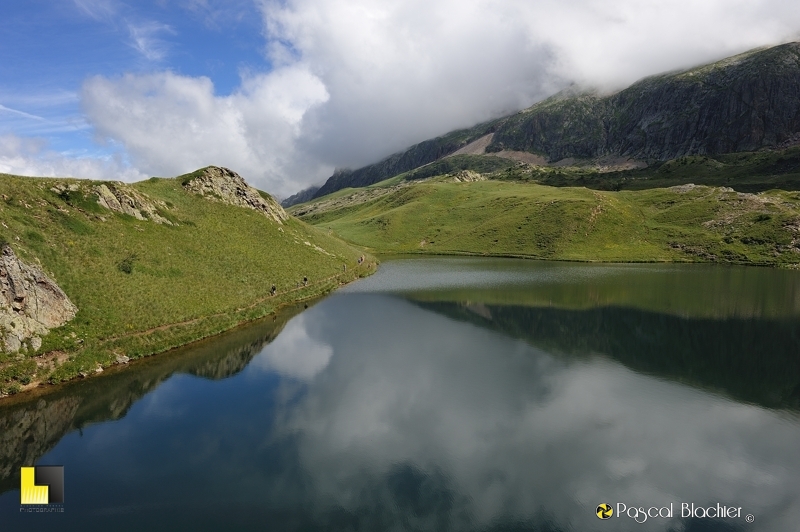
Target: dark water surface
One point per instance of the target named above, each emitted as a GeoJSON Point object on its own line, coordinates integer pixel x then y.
{"type": "Point", "coordinates": [446, 394]}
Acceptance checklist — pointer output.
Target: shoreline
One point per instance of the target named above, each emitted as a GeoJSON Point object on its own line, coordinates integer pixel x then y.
{"type": "Point", "coordinates": [243, 317]}
{"type": "Point", "coordinates": [407, 254]}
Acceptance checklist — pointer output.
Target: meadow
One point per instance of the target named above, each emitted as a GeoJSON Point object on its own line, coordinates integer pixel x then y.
{"type": "Point", "coordinates": [684, 223]}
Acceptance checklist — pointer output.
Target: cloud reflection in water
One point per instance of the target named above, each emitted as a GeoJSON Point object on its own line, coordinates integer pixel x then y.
{"type": "Point", "coordinates": [513, 429]}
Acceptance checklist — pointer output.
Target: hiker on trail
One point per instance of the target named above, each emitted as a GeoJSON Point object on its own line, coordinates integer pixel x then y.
{"type": "Point", "coordinates": [305, 281]}
{"type": "Point", "coordinates": [273, 290]}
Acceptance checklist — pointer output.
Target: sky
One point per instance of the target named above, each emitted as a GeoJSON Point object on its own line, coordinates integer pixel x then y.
{"type": "Point", "coordinates": [285, 91]}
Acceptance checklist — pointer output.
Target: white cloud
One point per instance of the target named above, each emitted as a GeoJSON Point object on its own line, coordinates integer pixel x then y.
{"type": "Point", "coordinates": [356, 80]}
{"type": "Point", "coordinates": [172, 124]}
{"type": "Point", "coordinates": [29, 156]}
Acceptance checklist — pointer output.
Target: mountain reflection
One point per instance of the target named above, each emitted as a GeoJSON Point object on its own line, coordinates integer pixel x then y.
{"type": "Point", "coordinates": [30, 426]}
{"type": "Point", "coordinates": [753, 360]}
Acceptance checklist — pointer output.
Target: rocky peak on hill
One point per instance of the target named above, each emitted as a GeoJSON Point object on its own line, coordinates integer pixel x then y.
{"type": "Point", "coordinates": [222, 184]}
{"type": "Point", "coordinates": [30, 303]}
{"type": "Point", "coordinates": [467, 176]}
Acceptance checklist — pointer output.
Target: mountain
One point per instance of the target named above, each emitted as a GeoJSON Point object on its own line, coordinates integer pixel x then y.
{"type": "Point", "coordinates": [742, 103]}
{"type": "Point", "coordinates": [414, 157]}
{"type": "Point", "coordinates": [301, 197]}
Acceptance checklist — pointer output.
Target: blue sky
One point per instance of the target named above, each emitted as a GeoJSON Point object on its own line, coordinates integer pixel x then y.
{"type": "Point", "coordinates": [285, 91]}
{"type": "Point", "coordinates": [49, 48]}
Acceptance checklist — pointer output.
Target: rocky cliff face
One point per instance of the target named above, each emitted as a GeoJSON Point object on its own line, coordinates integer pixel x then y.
{"type": "Point", "coordinates": [30, 303]}
{"type": "Point", "coordinates": [743, 103]}
{"type": "Point", "coordinates": [225, 185]}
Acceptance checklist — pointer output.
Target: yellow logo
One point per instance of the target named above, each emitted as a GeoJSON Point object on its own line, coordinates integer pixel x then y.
{"type": "Point", "coordinates": [604, 511]}
{"type": "Point", "coordinates": [42, 485]}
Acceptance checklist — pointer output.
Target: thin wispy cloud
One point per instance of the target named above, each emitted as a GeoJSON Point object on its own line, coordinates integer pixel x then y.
{"type": "Point", "coordinates": [218, 13]}
{"type": "Point", "coordinates": [3, 108]}
{"type": "Point", "coordinates": [145, 39]}
{"type": "Point", "coordinates": [39, 100]}
{"type": "Point", "coordinates": [100, 10]}
{"type": "Point", "coordinates": [143, 35]}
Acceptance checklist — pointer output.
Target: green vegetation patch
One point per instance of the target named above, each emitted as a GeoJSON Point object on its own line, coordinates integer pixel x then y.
{"type": "Point", "coordinates": [476, 163]}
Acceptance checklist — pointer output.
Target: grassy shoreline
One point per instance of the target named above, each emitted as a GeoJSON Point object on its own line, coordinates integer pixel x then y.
{"type": "Point", "coordinates": [84, 364]}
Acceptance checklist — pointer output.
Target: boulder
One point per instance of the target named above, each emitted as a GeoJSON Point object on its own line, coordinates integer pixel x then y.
{"type": "Point", "coordinates": [30, 303]}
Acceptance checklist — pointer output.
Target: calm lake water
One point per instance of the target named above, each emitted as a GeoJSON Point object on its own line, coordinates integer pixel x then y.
{"type": "Point", "coordinates": [446, 394]}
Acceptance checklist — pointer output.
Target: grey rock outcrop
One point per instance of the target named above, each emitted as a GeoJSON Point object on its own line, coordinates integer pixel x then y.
{"type": "Point", "coordinates": [120, 198]}
{"type": "Point", "coordinates": [116, 197]}
{"type": "Point", "coordinates": [222, 184]}
{"type": "Point", "coordinates": [30, 303]}
{"type": "Point", "coordinates": [467, 176]}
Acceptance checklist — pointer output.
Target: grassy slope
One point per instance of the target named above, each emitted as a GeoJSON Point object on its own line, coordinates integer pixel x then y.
{"type": "Point", "coordinates": [525, 219]}
{"type": "Point", "coordinates": [211, 272]}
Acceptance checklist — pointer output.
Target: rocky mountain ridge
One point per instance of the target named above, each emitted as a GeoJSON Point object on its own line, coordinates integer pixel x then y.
{"type": "Point", "coordinates": [742, 103]}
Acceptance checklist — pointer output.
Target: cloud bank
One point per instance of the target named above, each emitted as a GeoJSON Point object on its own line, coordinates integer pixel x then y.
{"type": "Point", "coordinates": [353, 80]}
{"type": "Point", "coordinates": [30, 156]}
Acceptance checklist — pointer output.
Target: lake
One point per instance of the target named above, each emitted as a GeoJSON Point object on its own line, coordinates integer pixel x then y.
{"type": "Point", "coordinates": [447, 394]}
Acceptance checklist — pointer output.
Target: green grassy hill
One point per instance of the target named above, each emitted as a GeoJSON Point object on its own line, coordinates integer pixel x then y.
{"type": "Point", "coordinates": [685, 223]}
{"type": "Point", "coordinates": [142, 287]}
